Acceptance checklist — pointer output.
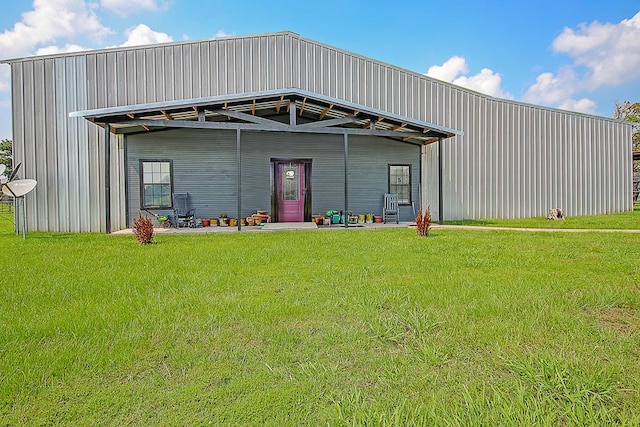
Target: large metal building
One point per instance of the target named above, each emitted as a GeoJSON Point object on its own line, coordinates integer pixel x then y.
{"type": "Point", "coordinates": [224, 116]}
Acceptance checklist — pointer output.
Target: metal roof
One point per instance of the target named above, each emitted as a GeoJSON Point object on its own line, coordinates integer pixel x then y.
{"type": "Point", "coordinates": [265, 111]}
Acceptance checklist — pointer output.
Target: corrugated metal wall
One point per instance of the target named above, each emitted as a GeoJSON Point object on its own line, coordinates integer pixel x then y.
{"type": "Point", "coordinates": [515, 160]}
{"type": "Point", "coordinates": [204, 165]}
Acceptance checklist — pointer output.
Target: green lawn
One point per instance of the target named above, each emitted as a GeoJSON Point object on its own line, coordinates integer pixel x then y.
{"type": "Point", "coordinates": [350, 327]}
{"type": "Point", "coordinates": [622, 220]}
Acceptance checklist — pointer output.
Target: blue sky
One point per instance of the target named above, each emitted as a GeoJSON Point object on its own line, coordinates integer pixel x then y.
{"type": "Point", "coordinates": [577, 55]}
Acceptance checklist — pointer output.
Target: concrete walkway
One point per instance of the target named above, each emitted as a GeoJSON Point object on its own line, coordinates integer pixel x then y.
{"type": "Point", "coordinates": [272, 226]}
{"type": "Point", "coordinates": [540, 230]}
{"type": "Point", "coordinates": [309, 226]}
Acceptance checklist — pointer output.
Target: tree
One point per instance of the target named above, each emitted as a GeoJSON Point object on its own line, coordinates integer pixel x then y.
{"type": "Point", "coordinates": [6, 154]}
{"type": "Point", "coordinates": [631, 113]}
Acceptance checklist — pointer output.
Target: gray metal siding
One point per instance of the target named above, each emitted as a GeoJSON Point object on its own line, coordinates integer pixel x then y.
{"type": "Point", "coordinates": [204, 165]}
{"type": "Point", "coordinates": [515, 160]}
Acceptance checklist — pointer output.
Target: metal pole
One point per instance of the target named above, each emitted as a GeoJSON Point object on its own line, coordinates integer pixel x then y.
{"type": "Point", "coordinates": [346, 179]}
{"type": "Point", "coordinates": [440, 208]}
{"type": "Point", "coordinates": [107, 178]}
{"type": "Point", "coordinates": [239, 178]}
{"type": "Point", "coordinates": [24, 220]}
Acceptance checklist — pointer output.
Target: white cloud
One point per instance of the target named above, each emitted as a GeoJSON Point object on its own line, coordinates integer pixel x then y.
{"type": "Point", "coordinates": [602, 54]}
{"type": "Point", "coordinates": [611, 52]}
{"type": "Point", "coordinates": [486, 81]}
{"type": "Point", "coordinates": [582, 105]}
{"type": "Point", "coordinates": [128, 7]}
{"type": "Point", "coordinates": [222, 33]}
{"type": "Point", "coordinates": [5, 72]}
{"type": "Point", "coordinates": [49, 21]}
{"type": "Point", "coordinates": [52, 50]}
{"type": "Point", "coordinates": [449, 70]}
{"type": "Point", "coordinates": [553, 89]}
{"type": "Point", "coordinates": [142, 35]}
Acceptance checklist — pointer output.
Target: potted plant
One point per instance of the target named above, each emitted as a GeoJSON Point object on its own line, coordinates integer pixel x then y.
{"type": "Point", "coordinates": [223, 219]}
{"type": "Point", "coordinates": [164, 220]}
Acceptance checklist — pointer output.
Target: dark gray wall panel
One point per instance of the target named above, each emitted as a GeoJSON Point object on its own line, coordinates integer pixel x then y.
{"type": "Point", "coordinates": [204, 165]}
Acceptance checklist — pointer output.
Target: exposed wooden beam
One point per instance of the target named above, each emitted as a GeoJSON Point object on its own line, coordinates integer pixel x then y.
{"type": "Point", "coordinates": [304, 101]}
{"type": "Point", "coordinates": [356, 112]}
{"type": "Point", "coordinates": [253, 108]}
{"type": "Point", "coordinates": [146, 128]}
{"type": "Point", "coordinates": [131, 116]}
{"type": "Point", "coordinates": [166, 114]}
{"type": "Point", "coordinates": [289, 106]}
{"type": "Point", "coordinates": [366, 124]}
{"type": "Point", "coordinates": [396, 127]}
{"type": "Point", "coordinates": [325, 111]}
{"type": "Point", "coordinates": [279, 104]}
{"type": "Point", "coordinates": [195, 109]}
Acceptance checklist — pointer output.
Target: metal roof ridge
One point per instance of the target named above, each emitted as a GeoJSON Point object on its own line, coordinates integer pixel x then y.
{"type": "Point", "coordinates": [154, 106]}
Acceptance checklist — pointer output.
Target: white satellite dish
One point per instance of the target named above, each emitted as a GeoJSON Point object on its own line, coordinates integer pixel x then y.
{"type": "Point", "coordinates": [19, 187]}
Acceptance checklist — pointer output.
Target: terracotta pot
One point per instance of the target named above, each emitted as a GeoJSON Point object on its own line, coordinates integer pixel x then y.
{"type": "Point", "coordinates": [377, 219]}
{"type": "Point", "coordinates": [233, 222]}
{"type": "Point", "coordinates": [205, 222]}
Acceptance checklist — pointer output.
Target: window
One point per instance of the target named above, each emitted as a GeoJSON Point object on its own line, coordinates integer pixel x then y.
{"type": "Point", "coordinates": [400, 182]}
{"type": "Point", "coordinates": [156, 183]}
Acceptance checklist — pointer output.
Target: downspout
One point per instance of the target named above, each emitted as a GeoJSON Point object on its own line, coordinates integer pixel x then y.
{"type": "Point", "coordinates": [239, 161]}
{"type": "Point", "coordinates": [107, 178]}
{"type": "Point", "coordinates": [346, 180]}
{"type": "Point", "coordinates": [440, 207]}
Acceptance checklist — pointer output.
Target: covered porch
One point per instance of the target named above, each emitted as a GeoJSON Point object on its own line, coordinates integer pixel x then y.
{"type": "Point", "coordinates": [281, 112]}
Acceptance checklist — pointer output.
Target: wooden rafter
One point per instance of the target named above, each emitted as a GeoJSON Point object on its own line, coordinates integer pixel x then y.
{"type": "Point", "coordinates": [366, 124]}
{"type": "Point", "coordinates": [279, 104]}
{"type": "Point", "coordinates": [131, 116]}
{"type": "Point", "coordinates": [304, 101]}
{"type": "Point", "coordinates": [289, 106]}
{"type": "Point", "coordinates": [253, 108]}
{"type": "Point", "coordinates": [146, 128]}
{"type": "Point", "coordinates": [396, 127]}
{"type": "Point", "coordinates": [195, 109]}
{"type": "Point", "coordinates": [325, 111]}
{"type": "Point", "coordinates": [166, 114]}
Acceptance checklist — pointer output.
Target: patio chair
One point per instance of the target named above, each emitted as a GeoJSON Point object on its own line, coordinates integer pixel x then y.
{"type": "Point", "coordinates": [183, 214]}
{"type": "Point", "coordinates": [390, 208]}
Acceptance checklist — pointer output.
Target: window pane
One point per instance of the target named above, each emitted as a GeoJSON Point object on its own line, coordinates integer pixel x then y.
{"type": "Point", "coordinates": [156, 184]}
{"type": "Point", "coordinates": [400, 182]}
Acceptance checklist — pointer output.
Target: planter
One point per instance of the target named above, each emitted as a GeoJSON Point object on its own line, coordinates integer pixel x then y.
{"type": "Point", "coordinates": [250, 220]}
{"type": "Point", "coordinates": [361, 219]}
{"type": "Point", "coordinates": [377, 219]}
{"type": "Point", "coordinates": [233, 222]}
{"type": "Point", "coordinates": [213, 222]}
{"type": "Point", "coordinates": [369, 218]}
{"type": "Point", "coordinates": [205, 222]}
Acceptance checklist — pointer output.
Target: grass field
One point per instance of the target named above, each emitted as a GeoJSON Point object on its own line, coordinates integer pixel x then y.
{"type": "Point", "coordinates": [623, 220]}
{"type": "Point", "coordinates": [352, 327]}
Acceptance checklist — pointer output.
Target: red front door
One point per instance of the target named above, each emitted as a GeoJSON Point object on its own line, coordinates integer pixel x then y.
{"type": "Point", "coordinates": [291, 191]}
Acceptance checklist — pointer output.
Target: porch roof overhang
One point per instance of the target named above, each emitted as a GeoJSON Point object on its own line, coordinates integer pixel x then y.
{"type": "Point", "coordinates": [284, 110]}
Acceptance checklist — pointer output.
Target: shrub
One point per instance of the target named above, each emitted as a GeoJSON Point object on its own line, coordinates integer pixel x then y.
{"type": "Point", "coordinates": [143, 229]}
{"type": "Point", "coordinates": [423, 222]}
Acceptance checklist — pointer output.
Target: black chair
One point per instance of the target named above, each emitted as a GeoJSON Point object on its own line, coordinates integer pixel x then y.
{"type": "Point", "coordinates": [183, 214]}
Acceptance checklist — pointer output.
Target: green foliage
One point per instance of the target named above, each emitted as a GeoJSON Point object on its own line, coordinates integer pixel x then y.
{"type": "Point", "coordinates": [6, 152]}
{"type": "Point", "coordinates": [353, 327]}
